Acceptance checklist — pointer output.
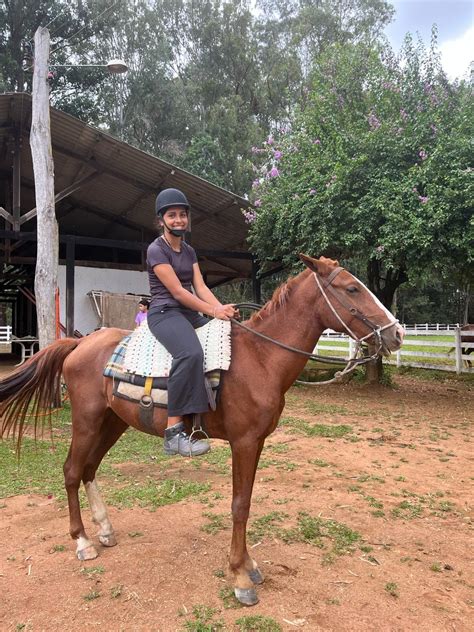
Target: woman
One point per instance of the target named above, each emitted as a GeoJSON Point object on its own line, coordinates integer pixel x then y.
{"type": "Point", "coordinates": [173, 316]}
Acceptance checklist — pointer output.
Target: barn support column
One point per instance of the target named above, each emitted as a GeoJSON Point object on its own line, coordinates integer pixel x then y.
{"type": "Point", "coordinates": [70, 265]}
{"type": "Point", "coordinates": [256, 284]}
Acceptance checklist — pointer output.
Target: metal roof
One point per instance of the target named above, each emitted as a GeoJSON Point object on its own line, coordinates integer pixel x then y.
{"type": "Point", "coordinates": [116, 200]}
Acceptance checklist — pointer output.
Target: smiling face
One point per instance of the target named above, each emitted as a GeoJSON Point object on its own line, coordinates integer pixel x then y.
{"type": "Point", "coordinates": [175, 218]}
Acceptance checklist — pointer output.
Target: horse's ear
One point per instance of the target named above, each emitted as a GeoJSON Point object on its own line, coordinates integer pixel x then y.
{"type": "Point", "coordinates": [316, 265]}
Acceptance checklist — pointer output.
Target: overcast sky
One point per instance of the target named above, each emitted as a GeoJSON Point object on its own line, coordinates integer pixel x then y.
{"type": "Point", "coordinates": [455, 22]}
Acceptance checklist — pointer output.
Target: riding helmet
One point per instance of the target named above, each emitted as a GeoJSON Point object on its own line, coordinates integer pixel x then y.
{"type": "Point", "coordinates": [169, 198]}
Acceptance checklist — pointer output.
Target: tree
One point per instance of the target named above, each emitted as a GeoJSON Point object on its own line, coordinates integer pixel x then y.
{"type": "Point", "coordinates": [375, 167]}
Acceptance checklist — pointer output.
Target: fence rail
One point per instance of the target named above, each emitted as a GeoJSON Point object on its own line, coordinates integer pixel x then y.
{"type": "Point", "coordinates": [450, 354]}
{"type": "Point", "coordinates": [431, 326]}
{"type": "Point", "coordinates": [5, 334]}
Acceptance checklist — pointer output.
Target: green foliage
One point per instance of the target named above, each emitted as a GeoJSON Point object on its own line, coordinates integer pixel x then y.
{"type": "Point", "coordinates": [258, 623]}
{"type": "Point", "coordinates": [375, 168]}
{"type": "Point", "coordinates": [152, 494]}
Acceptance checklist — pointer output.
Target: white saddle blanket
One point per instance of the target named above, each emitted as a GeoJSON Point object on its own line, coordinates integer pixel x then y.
{"type": "Point", "coordinates": [146, 356]}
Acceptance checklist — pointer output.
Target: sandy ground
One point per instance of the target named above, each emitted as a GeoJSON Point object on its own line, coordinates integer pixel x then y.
{"type": "Point", "coordinates": [402, 478]}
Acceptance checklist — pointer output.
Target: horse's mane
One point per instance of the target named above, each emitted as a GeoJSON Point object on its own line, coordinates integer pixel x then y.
{"type": "Point", "coordinates": [279, 298]}
{"type": "Point", "coordinates": [282, 294]}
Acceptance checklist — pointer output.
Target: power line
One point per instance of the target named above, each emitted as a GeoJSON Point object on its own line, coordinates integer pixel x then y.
{"type": "Point", "coordinates": [83, 27]}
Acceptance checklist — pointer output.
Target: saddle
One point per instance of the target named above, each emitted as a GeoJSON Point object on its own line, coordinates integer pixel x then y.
{"type": "Point", "coordinates": [140, 365]}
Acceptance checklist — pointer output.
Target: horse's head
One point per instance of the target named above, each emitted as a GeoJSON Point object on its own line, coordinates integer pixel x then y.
{"type": "Point", "coordinates": [347, 306]}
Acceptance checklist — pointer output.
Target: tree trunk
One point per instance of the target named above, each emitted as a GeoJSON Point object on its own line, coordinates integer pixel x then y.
{"type": "Point", "coordinates": [385, 293]}
{"type": "Point", "coordinates": [46, 275]}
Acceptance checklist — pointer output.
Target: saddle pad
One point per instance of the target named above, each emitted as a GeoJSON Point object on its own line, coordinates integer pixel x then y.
{"type": "Point", "coordinates": [134, 392]}
{"type": "Point", "coordinates": [144, 355]}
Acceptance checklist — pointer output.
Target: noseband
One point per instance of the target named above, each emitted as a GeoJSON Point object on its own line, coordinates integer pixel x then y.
{"type": "Point", "coordinates": [353, 362]}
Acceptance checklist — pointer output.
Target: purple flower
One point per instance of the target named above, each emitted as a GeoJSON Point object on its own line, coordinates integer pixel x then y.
{"type": "Point", "coordinates": [270, 140]}
{"type": "Point", "coordinates": [257, 203]}
{"type": "Point", "coordinates": [277, 155]}
{"type": "Point", "coordinates": [403, 114]}
{"type": "Point", "coordinates": [273, 173]}
{"type": "Point", "coordinates": [312, 191]}
{"type": "Point", "coordinates": [434, 129]}
{"type": "Point", "coordinates": [316, 142]}
{"type": "Point", "coordinates": [380, 248]}
{"type": "Point", "coordinates": [256, 183]}
{"type": "Point", "coordinates": [423, 199]}
{"type": "Point", "coordinates": [250, 216]}
{"type": "Point", "coordinates": [374, 122]}
{"type": "Point", "coordinates": [423, 155]}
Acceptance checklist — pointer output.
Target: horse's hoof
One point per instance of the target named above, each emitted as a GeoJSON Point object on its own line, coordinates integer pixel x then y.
{"type": "Point", "coordinates": [256, 576]}
{"type": "Point", "coordinates": [246, 596]}
{"type": "Point", "coordinates": [89, 553]}
{"type": "Point", "coordinates": [108, 539]}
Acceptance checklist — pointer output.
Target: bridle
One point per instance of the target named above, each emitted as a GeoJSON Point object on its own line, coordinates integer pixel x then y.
{"type": "Point", "coordinates": [352, 363]}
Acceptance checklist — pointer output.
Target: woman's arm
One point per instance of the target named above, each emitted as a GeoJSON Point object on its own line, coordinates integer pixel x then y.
{"type": "Point", "coordinates": [168, 277]}
{"type": "Point", "coordinates": [201, 289]}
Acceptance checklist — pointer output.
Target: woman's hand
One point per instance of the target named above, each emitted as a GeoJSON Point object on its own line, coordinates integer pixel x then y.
{"type": "Point", "coordinates": [225, 312]}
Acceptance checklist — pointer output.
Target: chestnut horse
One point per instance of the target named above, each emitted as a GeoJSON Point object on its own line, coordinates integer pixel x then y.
{"type": "Point", "coordinates": [250, 403]}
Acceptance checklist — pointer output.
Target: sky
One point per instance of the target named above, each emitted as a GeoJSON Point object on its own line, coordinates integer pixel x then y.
{"type": "Point", "coordinates": [455, 22]}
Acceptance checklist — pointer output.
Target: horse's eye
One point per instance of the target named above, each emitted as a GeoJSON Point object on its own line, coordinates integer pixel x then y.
{"type": "Point", "coordinates": [352, 289]}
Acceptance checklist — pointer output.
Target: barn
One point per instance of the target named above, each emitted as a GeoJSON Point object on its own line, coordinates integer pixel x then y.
{"type": "Point", "coordinates": [105, 191]}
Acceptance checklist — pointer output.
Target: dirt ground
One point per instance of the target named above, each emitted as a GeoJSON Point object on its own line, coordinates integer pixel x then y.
{"type": "Point", "coordinates": [402, 478]}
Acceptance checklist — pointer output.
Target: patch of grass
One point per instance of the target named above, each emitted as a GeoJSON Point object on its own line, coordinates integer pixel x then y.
{"type": "Point", "coordinates": [37, 471]}
{"type": "Point", "coordinates": [264, 526]}
{"type": "Point", "coordinates": [436, 567]}
{"type": "Point", "coordinates": [258, 623]}
{"type": "Point", "coordinates": [408, 510]}
{"type": "Point", "coordinates": [136, 447]}
{"type": "Point", "coordinates": [203, 620]}
{"type": "Point", "coordinates": [58, 548]}
{"type": "Point", "coordinates": [217, 522]}
{"type": "Point", "coordinates": [317, 408]}
{"type": "Point", "coordinates": [152, 494]}
{"type": "Point", "coordinates": [392, 589]}
{"type": "Point", "coordinates": [279, 448]}
{"type": "Point", "coordinates": [229, 599]}
{"type": "Point", "coordinates": [217, 458]}
{"type": "Point", "coordinates": [135, 534]}
{"type": "Point", "coordinates": [301, 426]}
{"type": "Point", "coordinates": [91, 571]}
{"type": "Point", "coordinates": [219, 573]}
{"type": "Point", "coordinates": [91, 595]}
{"type": "Point", "coordinates": [319, 462]}
{"type": "Point", "coordinates": [316, 531]}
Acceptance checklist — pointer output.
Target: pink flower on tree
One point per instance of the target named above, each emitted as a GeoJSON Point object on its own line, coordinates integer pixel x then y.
{"type": "Point", "coordinates": [277, 155]}
{"type": "Point", "coordinates": [270, 140]}
{"type": "Point", "coordinates": [423, 199]}
{"type": "Point", "coordinates": [312, 191]}
{"type": "Point", "coordinates": [273, 173]}
{"type": "Point", "coordinates": [423, 155]}
{"type": "Point", "coordinates": [316, 141]}
{"type": "Point", "coordinates": [257, 203]}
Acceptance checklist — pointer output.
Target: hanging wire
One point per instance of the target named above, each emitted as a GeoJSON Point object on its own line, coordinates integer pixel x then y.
{"type": "Point", "coordinates": [64, 43]}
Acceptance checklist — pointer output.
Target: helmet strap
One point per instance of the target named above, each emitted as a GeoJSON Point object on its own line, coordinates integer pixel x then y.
{"type": "Point", "coordinates": [177, 232]}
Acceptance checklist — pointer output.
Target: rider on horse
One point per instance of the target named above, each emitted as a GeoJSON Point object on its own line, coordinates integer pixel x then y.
{"type": "Point", "coordinates": [175, 312]}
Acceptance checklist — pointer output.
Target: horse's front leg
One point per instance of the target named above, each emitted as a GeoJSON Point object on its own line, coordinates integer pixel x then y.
{"type": "Point", "coordinates": [245, 455]}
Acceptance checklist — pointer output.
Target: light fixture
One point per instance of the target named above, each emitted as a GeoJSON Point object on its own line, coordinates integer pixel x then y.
{"type": "Point", "coordinates": [114, 66]}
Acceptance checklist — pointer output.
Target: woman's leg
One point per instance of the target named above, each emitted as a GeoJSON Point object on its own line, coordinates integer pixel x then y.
{"type": "Point", "coordinates": [186, 389]}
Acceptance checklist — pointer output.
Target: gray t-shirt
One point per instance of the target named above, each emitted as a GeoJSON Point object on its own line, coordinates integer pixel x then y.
{"type": "Point", "coordinates": [182, 263]}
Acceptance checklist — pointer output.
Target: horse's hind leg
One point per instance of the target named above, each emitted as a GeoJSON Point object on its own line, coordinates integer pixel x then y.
{"type": "Point", "coordinates": [111, 430]}
{"type": "Point", "coordinates": [86, 431]}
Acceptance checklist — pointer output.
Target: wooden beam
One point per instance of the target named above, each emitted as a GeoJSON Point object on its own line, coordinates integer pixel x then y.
{"type": "Point", "coordinates": [63, 194]}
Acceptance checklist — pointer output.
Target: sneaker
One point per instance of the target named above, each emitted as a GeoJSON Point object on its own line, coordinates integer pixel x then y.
{"type": "Point", "coordinates": [177, 441]}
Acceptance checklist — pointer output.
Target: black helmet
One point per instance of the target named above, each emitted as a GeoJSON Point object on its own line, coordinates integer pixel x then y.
{"type": "Point", "coordinates": [168, 198]}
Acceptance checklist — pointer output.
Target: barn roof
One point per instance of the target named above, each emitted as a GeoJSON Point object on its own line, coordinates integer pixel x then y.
{"type": "Point", "coordinates": [107, 188]}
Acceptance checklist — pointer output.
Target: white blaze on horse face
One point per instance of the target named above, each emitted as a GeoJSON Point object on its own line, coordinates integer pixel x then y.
{"type": "Point", "coordinates": [98, 508]}
{"type": "Point", "coordinates": [379, 303]}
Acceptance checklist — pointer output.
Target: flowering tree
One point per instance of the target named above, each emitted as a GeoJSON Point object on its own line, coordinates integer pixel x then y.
{"type": "Point", "coordinates": [375, 170]}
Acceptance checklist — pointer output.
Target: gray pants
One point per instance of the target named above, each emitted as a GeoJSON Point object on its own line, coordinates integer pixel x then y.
{"type": "Point", "coordinates": [174, 328]}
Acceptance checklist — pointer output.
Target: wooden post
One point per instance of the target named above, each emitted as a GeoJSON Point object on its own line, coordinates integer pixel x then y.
{"type": "Point", "coordinates": [46, 275]}
{"type": "Point", "coordinates": [70, 263]}
{"type": "Point", "coordinates": [458, 350]}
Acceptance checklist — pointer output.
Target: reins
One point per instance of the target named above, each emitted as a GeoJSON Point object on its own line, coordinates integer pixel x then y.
{"type": "Point", "coordinates": [351, 363]}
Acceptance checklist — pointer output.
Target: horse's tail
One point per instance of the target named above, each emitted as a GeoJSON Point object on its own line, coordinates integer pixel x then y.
{"type": "Point", "coordinates": [33, 388]}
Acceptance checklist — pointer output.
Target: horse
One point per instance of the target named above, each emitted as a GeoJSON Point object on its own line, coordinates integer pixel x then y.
{"type": "Point", "coordinates": [251, 400]}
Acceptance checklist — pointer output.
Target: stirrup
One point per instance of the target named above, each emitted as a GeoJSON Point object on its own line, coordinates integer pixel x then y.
{"type": "Point", "coordinates": [196, 430]}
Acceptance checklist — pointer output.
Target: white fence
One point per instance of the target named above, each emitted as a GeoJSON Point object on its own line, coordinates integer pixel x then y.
{"type": "Point", "coordinates": [5, 334]}
{"type": "Point", "coordinates": [430, 327]}
{"type": "Point", "coordinates": [449, 355]}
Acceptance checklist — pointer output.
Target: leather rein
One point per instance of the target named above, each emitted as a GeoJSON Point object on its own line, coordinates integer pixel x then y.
{"type": "Point", "coordinates": [352, 363]}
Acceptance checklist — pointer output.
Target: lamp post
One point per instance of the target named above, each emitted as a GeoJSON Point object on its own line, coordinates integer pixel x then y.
{"type": "Point", "coordinates": [46, 273]}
